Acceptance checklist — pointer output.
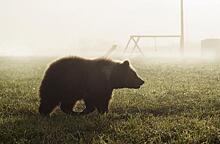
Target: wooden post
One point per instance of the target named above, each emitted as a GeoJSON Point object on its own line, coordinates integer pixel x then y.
{"type": "Point", "coordinates": [127, 44]}
{"type": "Point", "coordinates": [182, 29]}
{"type": "Point", "coordinates": [136, 38]}
{"type": "Point", "coordinates": [135, 45]}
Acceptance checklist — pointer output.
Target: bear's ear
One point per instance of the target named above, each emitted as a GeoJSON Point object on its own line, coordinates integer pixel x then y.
{"type": "Point", "coordinates": [125, 63]}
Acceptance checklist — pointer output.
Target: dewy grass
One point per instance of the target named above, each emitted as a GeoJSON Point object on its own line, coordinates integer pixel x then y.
{"type": "Point", "coordinates": [179, 103]}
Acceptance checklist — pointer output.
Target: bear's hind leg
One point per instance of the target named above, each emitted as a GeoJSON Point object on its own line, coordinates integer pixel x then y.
{"type": "Point", "coordinates": [89, 107]}
{"type": "Point", "coordinates": [46, 107]}
{"type": "Point", "coordinates": [102, 106]}
{"type": "Point", "coordinates": [67, 107]}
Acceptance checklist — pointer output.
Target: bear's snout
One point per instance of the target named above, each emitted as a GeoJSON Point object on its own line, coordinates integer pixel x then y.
{"type": "Point", "coordinates": [141, 82]}
{"type": "Point", "coordinates": [138, 83]}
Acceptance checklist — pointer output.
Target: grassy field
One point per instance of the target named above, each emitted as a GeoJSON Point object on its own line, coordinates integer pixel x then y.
{"type": "Point", "coordinates": [179, 103]}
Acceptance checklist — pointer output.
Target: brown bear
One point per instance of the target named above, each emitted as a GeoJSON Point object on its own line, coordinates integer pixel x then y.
{"type": "Point", "coordinates": [70, 79]}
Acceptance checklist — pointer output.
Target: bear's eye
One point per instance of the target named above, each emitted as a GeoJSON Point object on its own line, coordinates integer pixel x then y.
{"type": "Point", "coordinates": [135, 74]}
{"type": "Point", "coordinates": [132, 74]}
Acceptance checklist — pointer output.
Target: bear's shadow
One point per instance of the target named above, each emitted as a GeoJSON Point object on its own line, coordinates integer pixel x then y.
{"type": "Point", "coordinates": [160, 111]}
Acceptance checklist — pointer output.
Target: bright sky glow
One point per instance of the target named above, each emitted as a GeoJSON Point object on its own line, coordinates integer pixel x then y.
{"type": "Point", "coordinates": [42, 25]}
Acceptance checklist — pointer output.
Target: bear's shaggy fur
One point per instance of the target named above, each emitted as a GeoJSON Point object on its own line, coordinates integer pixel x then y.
{"type": "Point", "coordinates": [70, 79]}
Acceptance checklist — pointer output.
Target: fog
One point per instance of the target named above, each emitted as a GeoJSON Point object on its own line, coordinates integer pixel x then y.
{"type": "Point", "coordinates": [64, 27]}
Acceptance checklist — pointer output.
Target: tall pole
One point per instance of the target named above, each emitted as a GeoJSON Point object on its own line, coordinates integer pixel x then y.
{"type": "Point", "coordinates": [182, 29]}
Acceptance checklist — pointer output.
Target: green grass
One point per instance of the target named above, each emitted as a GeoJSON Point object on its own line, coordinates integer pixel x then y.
{"type": "Point", "coordinates": [179, 103]}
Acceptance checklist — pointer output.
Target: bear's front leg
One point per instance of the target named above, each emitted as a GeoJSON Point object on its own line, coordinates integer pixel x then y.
{"type": "Point", "coordinates": [67, 107]}
{"type": "Point", "coordinates": [102, 106]}
{"type": "Point", "coordinates": [89, 107]}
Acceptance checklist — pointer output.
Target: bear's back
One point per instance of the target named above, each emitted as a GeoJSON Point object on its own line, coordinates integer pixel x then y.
{"type": "Point", "coordinates": [74, 72]}
{"type": "Point", "coordinates": [64, 74]}
{"type": "Point", "coordinates": [67, 69]}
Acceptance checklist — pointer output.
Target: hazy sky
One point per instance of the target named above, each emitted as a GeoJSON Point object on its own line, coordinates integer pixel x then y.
{"type": "Point", "coordinates": [57, 24]}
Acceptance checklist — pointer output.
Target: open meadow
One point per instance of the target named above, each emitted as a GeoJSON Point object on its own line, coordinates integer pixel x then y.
{"type": "Point", "coordinates": [179, 103]}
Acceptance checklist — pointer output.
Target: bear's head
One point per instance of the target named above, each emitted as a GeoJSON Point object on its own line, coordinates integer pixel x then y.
{"type": "Point", "coordinates": [123, 76]}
